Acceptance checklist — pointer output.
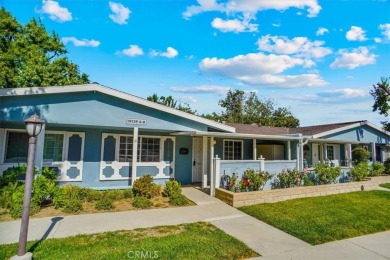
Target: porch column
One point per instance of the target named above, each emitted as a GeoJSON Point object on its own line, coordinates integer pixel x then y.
{"type": "Point", "coordinates": [212, 173]}
{"type": "Point", "coordinates": [373, 152]}
{"type": "Point", "coordinates": [289, 150]}
{"type": "Point", "coordinates": [349, 155]}
{"type": "Point", "coordinates": [204, 166]}
{"type": "Point", "coordinates": [135, 152]}
{"type": "Point", "coordinates": [325, 151]}
{"type": "Point", "coordinates": [254, 149]}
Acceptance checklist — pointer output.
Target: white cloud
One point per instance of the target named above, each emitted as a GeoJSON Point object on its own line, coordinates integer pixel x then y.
{"type": "Point", "coordinates": [170, 53]}
{"type": "Point", "coordinates": [332, 96]}
{"type": "Point", "coordinates": [358, 57]}
{"type": "Point", "coordinates": [220, 90]}
{"type": "Point", "coordinates": [187, 99]}
{"type": "Point", "coordinates": [132, 51]}
{"type": "Point", "coordinates": [321, 31]}
{"type": "Point", "coordinates": [276, 24]}
{"type": "Point", "coordinates": [377, 40]}
{"type": "Point", "coordinates": [285, 81]}
{"type": "Point", "coordinates": [204, 6]}
{"type": "Point", "coordinates": [259, 69]}
{"type": "Point", "coordinates": [249, 64]}
{"type": "Point", "coordinates": [120, 13]}
{"type": "Point", "coordinates": [248, 8]}
{"type": "Point", "coordinates": [234, 25]}
{"type": "Point", "coordinates": [80, 43]}
{"type": "Point", "coordinates": [300, 46]}
{"type": "Point", "coordinates": [55, 11]}
{"type": "Point", "coordinates": [385, 30]}
{"type": "Point", "coordinates": [356, 34]}
{"type": "Point", "coordinates": [344, 93]}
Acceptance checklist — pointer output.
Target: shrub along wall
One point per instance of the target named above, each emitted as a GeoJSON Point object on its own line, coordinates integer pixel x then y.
{"type": "Point", "coordinates": [268, 196]}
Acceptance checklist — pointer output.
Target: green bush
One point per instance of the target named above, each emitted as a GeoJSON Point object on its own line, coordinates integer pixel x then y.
{"type": "Point", "coordinates": [171, 189]}
{"type": "Point", "coordinates": [104, 204]}
{"type": "Point", "coordinates": [44, 190]}
{"type": "Point", "coordinates": [128, 193]}
{"type": "Point", "coordinates": [387, 166]}
{"type": "Point", "coordinates": [65, 194]}
{"type": "Point", "coordinates": [49, 173]}
{"type": "Point", "coordinates": [360, 171]}
{"type": "Point", "coordinates": [144, 187]}
{"type": "Point", "coordinates": [87, 194]}
{"type": "Point", "coordinates": [142, 202]}
{"type": "Point", "coordinates": [376, 169]}
{"type": "Point", "coordinates": [72, 206]}
{"type": "Point", "coordinates": [178, 200]}
{"type": "Point", "coordinates": [359, 154]}
{"type": "Point", "coordinates": [113, 194]}
{"type": "Point", "coordinates": [7, 192]}
{"type": "Point", "coordinates": [11, 174]}
{"type": "Point", "coordinates": [16, 206]}
{"type": "Point", "coordinates": [256, 179]}
{"type": "Point", "coordinates": [286, 179]}
{"type": "Point", "coordinates": [326, 174]}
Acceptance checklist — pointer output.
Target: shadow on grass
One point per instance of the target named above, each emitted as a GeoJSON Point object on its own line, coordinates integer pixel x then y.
{"type": "Point", "coordinates": [47, 233]}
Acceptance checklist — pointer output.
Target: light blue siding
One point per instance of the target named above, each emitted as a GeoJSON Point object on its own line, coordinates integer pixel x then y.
{"type": "Point", "coordinates": [362, 133]}
{"type": "Point", "coordinates": [91, 109]}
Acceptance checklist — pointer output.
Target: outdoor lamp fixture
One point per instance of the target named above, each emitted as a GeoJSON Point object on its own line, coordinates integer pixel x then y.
{"type": "Point", "coordinates": [34, 126]}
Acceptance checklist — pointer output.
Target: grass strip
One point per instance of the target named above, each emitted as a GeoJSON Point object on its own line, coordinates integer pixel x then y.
{"type": "Point", "coordinates": [317, 220]}
{"type": "Point", "coordinates": [187, 241]}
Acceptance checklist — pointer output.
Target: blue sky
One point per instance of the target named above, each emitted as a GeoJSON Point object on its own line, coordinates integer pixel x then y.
{"type": "Point", "coordinates": [319, 58]}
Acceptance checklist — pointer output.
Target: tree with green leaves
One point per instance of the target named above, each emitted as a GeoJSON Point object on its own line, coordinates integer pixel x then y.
{"type": "Point", "coordinates": [249, 109]}
{"type": "Point", "coordinates": [381, 95]}
{"type": "Point", "coordinates": [169, 101]}
{"type": "Point", "coordinates": [30, 56]}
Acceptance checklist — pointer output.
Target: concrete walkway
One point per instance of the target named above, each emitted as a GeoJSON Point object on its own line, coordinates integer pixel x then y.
{"type": "Point", "coordinates": [268, 241]}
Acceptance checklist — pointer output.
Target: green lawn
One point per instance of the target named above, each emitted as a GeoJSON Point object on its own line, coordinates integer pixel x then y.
{"type": "Point", "coordinates": [187, 241]}
{"type": "Point", "coordinates": [385, 185]}
{"type": "Point", "coordinates": [327, 218]}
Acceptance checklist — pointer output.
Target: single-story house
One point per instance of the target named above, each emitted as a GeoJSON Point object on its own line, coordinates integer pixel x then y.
{"type": "Point", "coordinates": [98, 137]}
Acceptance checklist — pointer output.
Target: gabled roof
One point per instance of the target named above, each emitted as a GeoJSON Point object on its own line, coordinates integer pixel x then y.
{"type": "Point", "coordinates": [318, 129]}
{"type": "Point", "coordinates": [315, 131]}
{"type": "Point", "coordinates": [115, 93]}
{"type": "Point", "coordinates": [259, 130]}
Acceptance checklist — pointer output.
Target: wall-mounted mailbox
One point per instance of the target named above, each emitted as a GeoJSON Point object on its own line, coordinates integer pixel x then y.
{"type": "Point", "coordinates": [183, 150]}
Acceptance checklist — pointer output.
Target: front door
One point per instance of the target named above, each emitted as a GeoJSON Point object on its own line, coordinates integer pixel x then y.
{"type": "Point", "coordinates": [197, 159]}
{"type": "Point", "coordinates": [316, 153]}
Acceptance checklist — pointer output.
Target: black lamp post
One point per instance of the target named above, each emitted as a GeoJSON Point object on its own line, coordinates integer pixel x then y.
{"type": "Point", "coordinates": [34, 126]}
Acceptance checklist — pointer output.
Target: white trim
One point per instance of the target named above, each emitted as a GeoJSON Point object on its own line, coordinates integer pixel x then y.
{"type": "Point", "coordinates": [114, 93]}
{"type": "Point", "coordinates": [350, 127]}
{"type": "Point", "coordinates": [4, 152]}
{"type": "Point", "coordinates": [238, 135]}
{"type": "Point", "coordinates": [117, 166]}
{"type": "Point", "coordinates": [234, 140]}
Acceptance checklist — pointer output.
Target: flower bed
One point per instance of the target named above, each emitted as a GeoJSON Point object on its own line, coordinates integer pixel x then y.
{"type": "Point", "coordinates": [238, 199]}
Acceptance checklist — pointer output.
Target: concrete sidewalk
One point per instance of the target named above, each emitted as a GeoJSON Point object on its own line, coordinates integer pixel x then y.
{"type": "Point", "coordinates": [268, 241]}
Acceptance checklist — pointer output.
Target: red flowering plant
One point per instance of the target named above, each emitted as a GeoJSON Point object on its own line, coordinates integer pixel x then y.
{"type": "Point", "coordinates": [244, 184]}
{"type": "Point", "coordinates": [233, 182]}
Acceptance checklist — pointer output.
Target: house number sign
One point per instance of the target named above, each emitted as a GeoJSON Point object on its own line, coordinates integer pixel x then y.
{"type": "Point", "coordinates": [136, 121]}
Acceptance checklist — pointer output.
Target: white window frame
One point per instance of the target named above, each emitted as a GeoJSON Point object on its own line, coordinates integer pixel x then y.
{"type": "Point", "coordinates": [233, 140]}
{"type": "Point", "coordinates": [5, 142]}
{"type": "Point", "coordinates": [64, 145]}
{"type": "Point", "coordinates": [333, 152]}
{"type": "Point", "coordinates": [140, 137]}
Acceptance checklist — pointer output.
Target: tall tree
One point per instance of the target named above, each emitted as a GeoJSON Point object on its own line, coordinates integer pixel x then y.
{"type": "Point", "coordinates": [381, 95]}
{"type": "Point", "coordinates": [30, 57]}
{"type": "Point", "coordinates": [169, 101]}
{"type": "Point", "coordinates": [249, 109]}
